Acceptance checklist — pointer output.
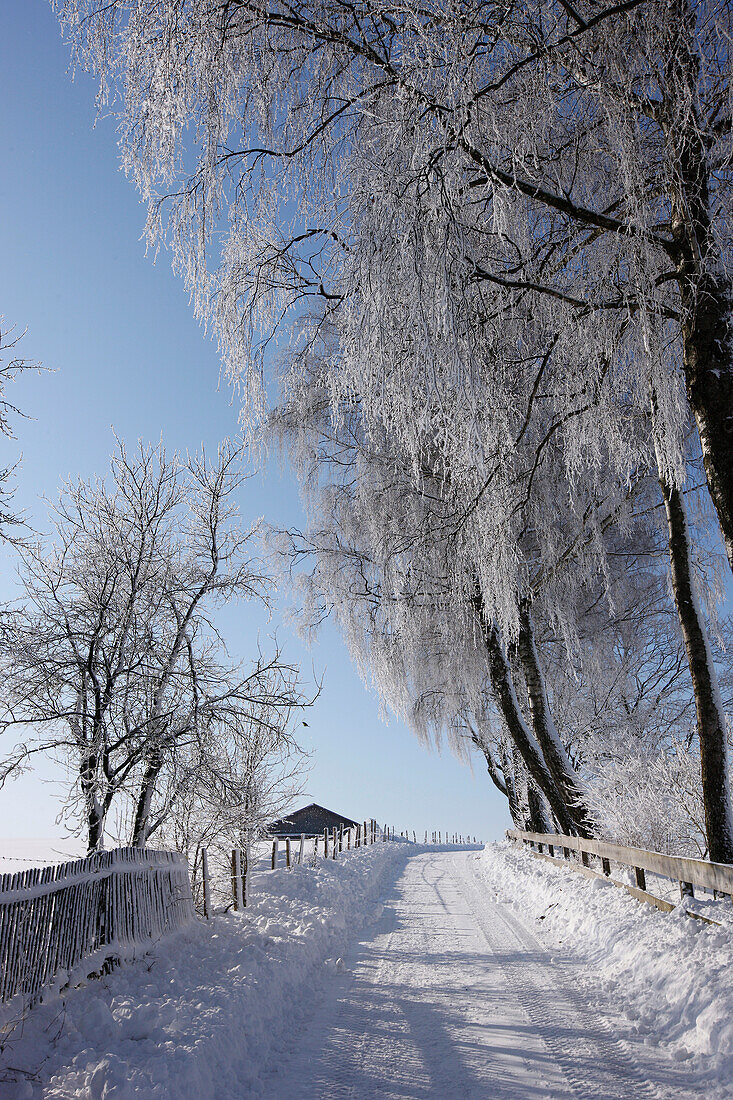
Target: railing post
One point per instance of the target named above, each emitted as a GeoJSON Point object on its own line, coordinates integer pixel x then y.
{"type": "Point", "coordinates": [640, 876]}
{"type": "Point", "coordinates": [585, 859]}
{"type": "Point", "coordinates": [302, 846]}
{"type": "Point", "coordinates": [287, 852]}
{"type": "Point", "coordinates": [325, 843]}
{"type": "Point", "coordinates": [686, 890]}
{"type": "Point", "coordinates": [273, 861]}
{"type": "Point", "coordinates": [244, 856]}
{"type": "Point", "coordinates": [606, 865]}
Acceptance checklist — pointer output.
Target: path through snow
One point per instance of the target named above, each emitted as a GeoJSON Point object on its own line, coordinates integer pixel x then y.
{"type": "Point", "coordinates": [452, 995]}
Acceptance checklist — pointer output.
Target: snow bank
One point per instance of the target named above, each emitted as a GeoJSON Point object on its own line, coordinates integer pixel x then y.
{"type": "Point", "coordinates": [197, 1017]}
{"type": "Point", "coordinates": [669, 974]}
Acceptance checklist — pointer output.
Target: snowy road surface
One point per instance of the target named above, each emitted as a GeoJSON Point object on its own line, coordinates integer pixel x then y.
{"type": "Point", "coordinates": [450, 995]}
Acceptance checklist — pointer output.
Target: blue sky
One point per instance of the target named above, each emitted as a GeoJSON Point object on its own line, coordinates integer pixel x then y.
{"type": "Point", "coordinates": [117, 334]}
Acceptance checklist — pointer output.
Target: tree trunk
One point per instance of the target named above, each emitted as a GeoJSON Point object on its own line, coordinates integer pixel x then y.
{"type": "Point", "coordinates": [539, 819]}
{"type": "Point", "coordinates": [94, 811]}
{"type": "Point", "coordinates": [506, 698]}
{"type": "Point", "coordinates": [711, 724]}
{"type": "Point", "coordinates": [141, 826]}
{"type": "Point", "coordinates": [553, 750]}
{"type": "Point", "coordinates": [705, 292]}
{"type": "Point", "coordinates": [510, 781]}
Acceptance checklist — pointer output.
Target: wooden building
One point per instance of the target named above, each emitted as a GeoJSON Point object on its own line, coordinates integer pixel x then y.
{"type": "Point", "coordinates": [310, 820]}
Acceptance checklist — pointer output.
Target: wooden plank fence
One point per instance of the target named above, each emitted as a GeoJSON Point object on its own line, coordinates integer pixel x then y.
{"type": "Point", "coordinates": [91, 911]}
{"type": "Point", "coordinates": [687, 871]}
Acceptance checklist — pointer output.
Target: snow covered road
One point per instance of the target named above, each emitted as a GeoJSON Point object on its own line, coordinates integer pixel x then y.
{"type": "Point", "coordinates": [451, 995]}
{"type": "Point", "coordinates": [399, 972]}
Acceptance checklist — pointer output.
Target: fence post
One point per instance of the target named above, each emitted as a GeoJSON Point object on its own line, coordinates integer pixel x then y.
{"type": "Point", "coordinates": [341, 838]}
{"type": "Point", "coordinates": [686, 890]}
{"type": "Point", "coordinates": [205, 881]}
{"type": "Point", "coordinates": [287, 852]}
{"type": "Point", "coordinates": [273, 861]}
{"type": "Point", "coordinates": [334, 842]}
{"type": "Point", "coordinates": [325, 843]}
{"type": "Point", "coordinates": [640, 877]}
{"type": "Point", "coordinates": [302, 846]}
{"type": "Point", "coordinates": [606, 865]}
{"type": "Point", "coordinates": [366, 838]}
{"type": "Point", "coordinates": [237, 880]}
{"type": "Point", "coordinates": [245, 873]}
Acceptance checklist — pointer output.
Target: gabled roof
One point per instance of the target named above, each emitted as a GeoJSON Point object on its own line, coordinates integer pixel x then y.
{"type": "Point", "coordinates": [314, 811]}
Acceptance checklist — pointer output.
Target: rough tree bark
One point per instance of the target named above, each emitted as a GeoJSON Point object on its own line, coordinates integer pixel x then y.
{"type": "Point", "coordinates": [539, 819]}
{"type": "Point", "coordinates": [711, 723]}
{"type": "Point", "coordinates": [544, 728]}
{"type": "Point", "coordinates": [503, 687]}
{"type": "Point", "coordinates": [705, 292]}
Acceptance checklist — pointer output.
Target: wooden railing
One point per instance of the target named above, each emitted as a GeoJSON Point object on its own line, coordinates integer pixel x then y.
{"type": "Point", "coordinates": [577, 853]}
{"type": "Point", "coordinates": [91, 912]}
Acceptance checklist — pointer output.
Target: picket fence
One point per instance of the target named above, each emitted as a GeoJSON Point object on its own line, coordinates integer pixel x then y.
{"type": "Point", "coordinates": [92, 911]}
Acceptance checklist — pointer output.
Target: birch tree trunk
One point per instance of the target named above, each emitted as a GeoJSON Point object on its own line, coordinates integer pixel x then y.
{"type": "Point", "coordinates": [510, 780]}
{"type": "Point", "coordinates": [705, 291]}
{"type": "Point", "coordinates": [539, 819]}
{"type": "Point", "coordinates": [711, 723]}
{"type": "Point", "coordinates": [503, 686]}
{"type": "Point", "coordinates": [545, 731]}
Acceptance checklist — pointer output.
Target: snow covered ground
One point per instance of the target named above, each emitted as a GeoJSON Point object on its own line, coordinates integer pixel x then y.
{"type": "Point", "coordinates": [668, 976]}
{"type": "Point", "coordinates": [198, 1017]}
{"type": "Point", "coordinates": [401, 971]}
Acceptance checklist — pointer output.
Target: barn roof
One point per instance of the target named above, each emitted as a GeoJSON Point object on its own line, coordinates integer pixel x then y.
{"type": "Point", "coordinates": [312, 818]}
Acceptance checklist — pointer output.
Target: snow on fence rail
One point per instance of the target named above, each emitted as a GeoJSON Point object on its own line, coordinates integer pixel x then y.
{"type": "Point", "coordinates": [90, 911]}
{"type": "Point", "coordinates": [689, 872]}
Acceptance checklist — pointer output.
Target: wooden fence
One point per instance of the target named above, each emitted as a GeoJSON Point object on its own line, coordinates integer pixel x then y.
{"type": "Point", "coordinates": [91, 911]}
{"type": "Point", "coordinates": [328, 844]}
{"type": "Point", "coordinates": [577, 853]}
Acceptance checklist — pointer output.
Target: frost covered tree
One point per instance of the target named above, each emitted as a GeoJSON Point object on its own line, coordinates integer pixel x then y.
{"type": "Point", "coordinates": [11, 365]}
{"type": "Point", "coordinates": [228, 789]}
{"type": "Point", "coordinates": [111, 657]}
{"type": "Point", "coordinates": [493, 296]}
{"type": "Point", "coordinates": [424, 200]}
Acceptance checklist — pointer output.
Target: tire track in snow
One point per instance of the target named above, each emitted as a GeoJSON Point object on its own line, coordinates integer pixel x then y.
{"type": "Point", "coordinates": [451, 996]}
{"type": "Point", "coordinates": [596, 1063]}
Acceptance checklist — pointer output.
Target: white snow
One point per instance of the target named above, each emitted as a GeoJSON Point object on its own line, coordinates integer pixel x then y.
{"type": "Point", "coordinates": [197, 1017]}
{"type": "Point", "coordinates": [667, 974]}
{"type": "Point", "coordinates": [401, 971]}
